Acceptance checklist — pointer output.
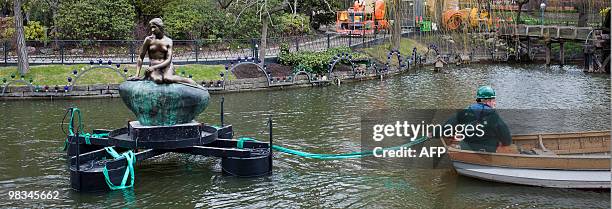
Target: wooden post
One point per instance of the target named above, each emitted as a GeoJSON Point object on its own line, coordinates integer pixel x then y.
{"type": "Point", "coordinates": [547, 53]}
{"type": "Point", "coordinates": [561, 54]}
{"type": "Point", "coordinates": [529, 49]}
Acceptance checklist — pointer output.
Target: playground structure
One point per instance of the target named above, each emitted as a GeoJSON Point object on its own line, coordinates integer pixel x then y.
{"type": "Point", "coordinates": [472, 17]}
{"type": "Point", "coordinates": [457, 15]}
{"type": "Point", "coordinates": [364, 18]}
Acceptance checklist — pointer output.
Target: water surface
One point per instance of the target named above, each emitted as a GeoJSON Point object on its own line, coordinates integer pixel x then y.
{"type": "Point", "coordinates": [320, 120]}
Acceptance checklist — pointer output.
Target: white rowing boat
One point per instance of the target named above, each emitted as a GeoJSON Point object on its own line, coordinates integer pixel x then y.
{"type": "Point", "coordinates": [566, 160]}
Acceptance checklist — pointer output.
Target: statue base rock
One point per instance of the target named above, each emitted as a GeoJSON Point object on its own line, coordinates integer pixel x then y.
{"type": "Point", "coordinates": [163, 104]}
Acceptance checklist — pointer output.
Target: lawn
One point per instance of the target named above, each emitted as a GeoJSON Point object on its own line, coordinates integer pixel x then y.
{"type": "Point", "coordinates": [57, 74]}
{"type": "Point", "coordinates": [380, 52]}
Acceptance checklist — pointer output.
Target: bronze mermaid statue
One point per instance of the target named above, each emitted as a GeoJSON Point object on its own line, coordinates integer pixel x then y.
{"type": "Point", "coordinates": [159, 47]}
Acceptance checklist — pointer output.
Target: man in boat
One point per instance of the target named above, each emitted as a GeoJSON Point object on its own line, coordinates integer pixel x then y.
{"type": "Point", "coordinates": [497, 137]}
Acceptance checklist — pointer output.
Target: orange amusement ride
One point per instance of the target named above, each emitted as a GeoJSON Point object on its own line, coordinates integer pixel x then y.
{"type": "Point", "coordinates": [364, 18]}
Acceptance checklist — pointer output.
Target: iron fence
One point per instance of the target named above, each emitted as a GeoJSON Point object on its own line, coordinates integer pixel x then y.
{"type": "Point", "coordinates": [184, 51]}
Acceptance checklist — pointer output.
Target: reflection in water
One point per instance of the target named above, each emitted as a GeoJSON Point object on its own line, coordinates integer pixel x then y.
{"type": "Point", "coordinates": [319, 120]}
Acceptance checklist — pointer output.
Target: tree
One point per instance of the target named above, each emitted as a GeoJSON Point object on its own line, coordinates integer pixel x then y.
{"type": "Point", "coordinates": [22, 55]}
{"type": "Point", "coordinates": [321, 12]}
{"type": "Point", "coordinates": [146, 10]}
{"type": "Point", "coordinates": [582, 7]}
{"type": "Point", "coordinates": [6, 8]}
{"type": "Point", "coordinates": [194, 19]}
{"type": "Point", "coordinates": [396, 34]}
{"type": "Point", "coordinates": [95, 19]}
{"type": "Point", "coordinates": [293, 24]}
{"type": "Point", "coordinates": [265, 9]}
{"type": "Point", "coordinates": [53, 8]}
{"type": "Point", "coordinates": [224, 4]}
{"type": "Point", "coordinates": [268, 8]}
{"type": "Point", "coordinates": [520, 9]}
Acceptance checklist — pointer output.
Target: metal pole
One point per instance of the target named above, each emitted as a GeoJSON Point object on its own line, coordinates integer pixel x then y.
{"type": "Point", "coordinates": [78, 176]}
{"type": "Point", "coordinates": [270, 144]}
{"type": "Point", "coordinates": [363, 40]}
{"type": "Point", "coordinates": [253, 49]}
{"type": "Point", "coordinates": [222, 101]}
{"type": "Point", "coordinates": [197, 51]}
{"type": "Point", "coordinates": [542, 16]}
{"type": "Point", "coordinates": [5, 52]}
{"type": "Point", "coordinates": [297, 45]}
{"type": "Point", "coordinates": [350, 38]}
{"type": "Point", "coordinates": [561, 53]}
{"type": "Point", "coordinates": [62, 52]}
{"type": "Point", "coordinates": [328, 44]}
{"type": "Point", "coordinates": [132, 51]}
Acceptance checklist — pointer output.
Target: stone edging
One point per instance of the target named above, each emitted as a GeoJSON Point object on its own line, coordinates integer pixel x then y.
{"type": "Point", "coordinates": [238, 85]}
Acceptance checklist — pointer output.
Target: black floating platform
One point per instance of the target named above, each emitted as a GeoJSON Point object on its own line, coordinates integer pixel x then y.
{"type": "Point", "coordinates": [89, 176]}
{"type": "Point", "coordinates": [258, 163]}
{"type": "Point", "coordinates": [163, 137]}
{"type": "Point", "coordinates": [96, 143]}
{"type": "Point", "coordinates": [86, 169]}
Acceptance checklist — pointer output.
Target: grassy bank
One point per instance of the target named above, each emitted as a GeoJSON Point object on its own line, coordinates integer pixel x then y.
{"type": "Point", "coordinates": [57, 74]}
{"type": "Point", "coordinates": [571, 49]}
{"type": "Point", "coordinates": [380, 52]}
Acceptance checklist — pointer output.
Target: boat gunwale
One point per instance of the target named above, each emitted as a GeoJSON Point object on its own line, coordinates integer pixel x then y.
{"type": "Point", "coordinates": [504, 158]}
{"type": "Point", "coordinates": [529, 156]}
{"type": "Point", "coordinates": [602, 133]}
{"type": "Point", "coordinates": [534, 168]}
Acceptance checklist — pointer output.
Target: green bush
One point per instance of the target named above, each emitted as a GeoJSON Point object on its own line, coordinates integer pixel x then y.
{"type": "Point", "coordinates": [193, 19]}
{"type": "Point", "coordinates": [35, 31]}
{"type": "Point", "coordinates": [95, 19]}
{"type": "Point", "coordinates": [7, 28]}
{"type": "Point", "coordinates": [184, 21]}
{"type": "Point", "coordinates": [294, 25]}
{"type": "Point", "coordinates": [315, 62]}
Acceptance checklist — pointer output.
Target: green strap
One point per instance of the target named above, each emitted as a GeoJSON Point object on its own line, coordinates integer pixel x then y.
{"type": "Point", "coordinates": [102, 135]}
{"type": "Point", "coordinates": [112, 152]}
{"type": "Point", "coordinates": [80, 125]}
{"type": "Point", "coordinates": [241, 141]}
{"type": "Point", "coordinates": [129, 171]}
{"type": "Point", "coordinates": [87, 136]}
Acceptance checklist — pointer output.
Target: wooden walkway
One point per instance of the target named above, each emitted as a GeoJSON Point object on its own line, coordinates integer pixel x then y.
{"type": "Point", "coordinates": [552, 32]}
{"type": "Point", "coordinates": [596, 44]}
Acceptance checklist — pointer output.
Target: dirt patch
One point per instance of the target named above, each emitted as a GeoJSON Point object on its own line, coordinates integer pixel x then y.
{"type": "Point", "coordinates": [251, 71]}
{"type": "Point", "coordinates": [343, 67]}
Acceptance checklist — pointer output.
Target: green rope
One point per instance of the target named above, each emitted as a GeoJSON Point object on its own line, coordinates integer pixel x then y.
{"type": "Point", "coordinates": [81, 133]}
{"type": "Point", "coordinates": [129, 171]}
{"type": "Point", "coordinates": [241, 141]}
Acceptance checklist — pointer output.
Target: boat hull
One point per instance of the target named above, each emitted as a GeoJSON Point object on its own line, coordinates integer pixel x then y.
{"type": "Point", "coordinates": [584, 179]}
{"type": "Point", "coordinates": [561, 160]}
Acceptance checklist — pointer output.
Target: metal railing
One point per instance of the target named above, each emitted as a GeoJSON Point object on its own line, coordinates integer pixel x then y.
{"type": "Point", "coordinates": [185, 51]}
